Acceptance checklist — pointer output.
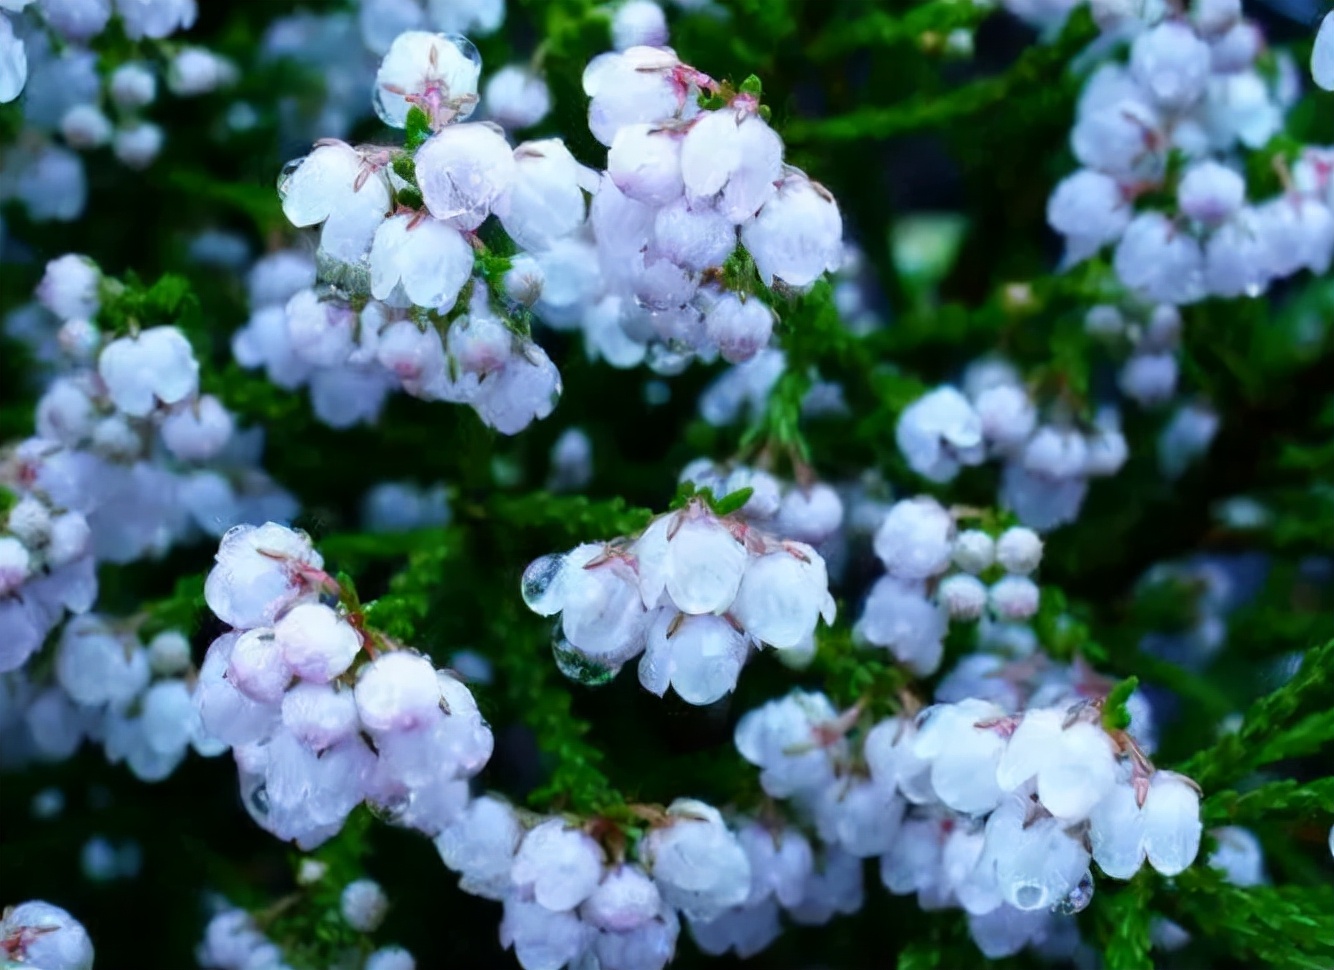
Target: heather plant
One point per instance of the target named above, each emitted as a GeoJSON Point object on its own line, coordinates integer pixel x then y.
{"type": "Point", "coordinates": [888, 522]}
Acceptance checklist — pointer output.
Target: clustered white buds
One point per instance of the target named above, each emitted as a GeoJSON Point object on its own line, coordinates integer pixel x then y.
{"type": "Point", "coordinates": [639, 269]}
{"type": "Point", "coordinates": [1191, 86]}
{"type": "Point", "coordinates": [1047, 466]}
{"type": "Point", "coordinates": [39, 935]}
{"type": "Point", "coordinates": [974, 805]}
{"type": "Point", "coordinates": [297, 689]}
{"type": "Point", "coordinates": [107, 686]}
{"type": "Point", "coordinates": [416, 263]}
{"type": "Point", "coordinates": [933, 572]}
{"type": "Point", "coordinates": [694, 593]}
{"type": "Point", "coordinates": [351, 360]}
{"type": "Point", "coordinates": [86, 102]}
{"type": "Point", "coordinates": [126, 442]}
{"type": "Point", "coordinates": [568, 897]}
{"type": "Point", "coordinates": [685, 189]}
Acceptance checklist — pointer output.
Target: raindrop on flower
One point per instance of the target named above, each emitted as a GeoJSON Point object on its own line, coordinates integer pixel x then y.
{"type": "Point", "coordinates": [537, 582]}
{"type": "Point", "coordinates": [466, 47]}
{"type": "Point", "coordinates": [285, 176]}
{"type": "Point", "coordinates": [1077, 900]}
{"type": "Point", "coordinates": [579, 668]}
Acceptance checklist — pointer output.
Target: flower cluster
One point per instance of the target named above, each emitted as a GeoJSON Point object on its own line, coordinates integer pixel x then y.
{"type": "Point", "coordinates": [107, 686]}
{"type": "Point", "coordinates": [1192, 87]}
{"type": "Point", "coordinates": [128, 458]}
{"type": "Point", "coordinates": [40, 935]}
{"type": "Point", "coordinates": [1047, 465]}
{"type": "Point", "coordinates": [974, 806]}
{"type": "Point", "coordinates": [695, 202]}
{"type": "Point", "coordinates": [74, 92]}
{"type": "Point", "coordinates": [694, 593]}
{"type": "Point", "coordinates": [571, 894]}
{"type": "Point", "coordinates": [301, 690]}
{"type": "Point", "coordinates": [399, 227]}
{"type": "Point", "coordinates": [935, 572]}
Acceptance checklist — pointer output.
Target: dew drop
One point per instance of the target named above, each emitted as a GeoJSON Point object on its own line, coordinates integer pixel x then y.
{"type": "Point", "coordinates": [539, 586]}
{"type": "Point", "coordinates": [579, 668]}
{"type": "Point", "coordinates": [466, 47]}
{"type": "Point", "coordinates": [285, 177]}
{"type": "Point", "coordinates": [1078, 899]}
{"type": "Point", "coordinates": [259, 799]}
{"type": "Point", "coordinates": [383, 111]}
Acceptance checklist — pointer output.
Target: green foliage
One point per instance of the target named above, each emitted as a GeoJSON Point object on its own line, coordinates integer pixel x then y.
{"type": "Point", "coordinates": [1286, 927]}
{"type": "Point", "coordinates": [1029, 77]}
{"type": "Point", "coordinates": [1124, 925]}
{"type": "Point", "coordinates": [1274, 727]}
{"type": "Point", "coordinates": [1286, 798]}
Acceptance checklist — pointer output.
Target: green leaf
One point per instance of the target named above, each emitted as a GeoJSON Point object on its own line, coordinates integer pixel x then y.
{"type": "Point", "coordinates": [1115, 717]}
{"type": "Point", "coordinates": [733, 501]}
{"type": "Point", "coordinates": [417, 128]}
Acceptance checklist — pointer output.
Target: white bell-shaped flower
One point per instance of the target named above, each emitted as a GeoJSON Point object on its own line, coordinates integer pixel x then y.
{"type": "Point", "coordinates": [419, 260]}
{"type": "Point", "coordinates": [465, 173]}
{"type": "Point", "coordinates": [156, 366]}
{"type": "Point", "coordinates": [560, 865]}
{"type": "Point", "coordinates": [699, 656]}
{"type": "Point", "coordinates": [783, 595]}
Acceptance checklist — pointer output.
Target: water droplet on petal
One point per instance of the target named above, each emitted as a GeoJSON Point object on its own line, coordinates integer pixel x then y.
{"type": "Point", "coordinates": [578, 667]}
{"type": "Point", "coordinates": [466, 47]}
{"type": "Point", "coordinates": [540, 590]}
{"type": "Point", "coordinates": [285, 177]}
{"type": "Point", "coordinates": [382, 111]}
{"type": "Point", "coordinates": [1078, 899]}
{"type": "Point", "coordinates": [259, 799]}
